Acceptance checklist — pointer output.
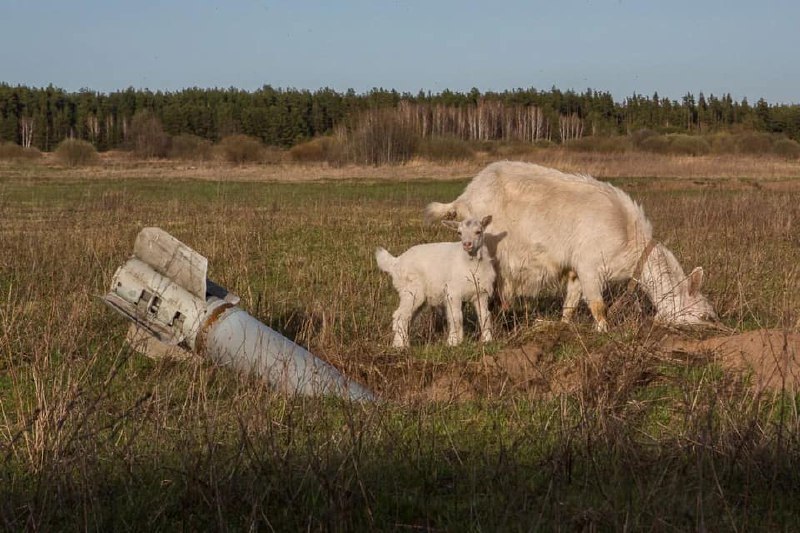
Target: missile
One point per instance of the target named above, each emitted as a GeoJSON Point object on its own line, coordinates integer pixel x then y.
{"type": "Point", "coordinates": [163, 289]}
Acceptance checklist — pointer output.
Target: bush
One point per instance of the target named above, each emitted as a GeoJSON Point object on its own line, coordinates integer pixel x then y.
{"type": "Point", "coordinates": [682, 144]}
{"type": "Point", "coordinates": [723, 143]}
{"type": "Point", "coordinates": [376, 137]}
{"type": "Point", "coordinates": [318, 149]}
{"type": "Point", "coordinates": [190, 147]}
{"type": "Point", "coordinates": [76, 152]}
{"type": "Point", "coordinates": [146, 136]}
{"type": "Point", "coordinates": [13, 152]}
{"type": "Point", "coordinates": [640, 136]}
{"type": "Point", "coordinates": [675, 144]}
{"type": "Point", "coordinates": [657, 144]}
{"type": "Point", "coordinates": [445, 149]}
{"type": "Point", "coordinates": [517, 149]}
{"type": "Point", "coordinates": [606, 145]}
{"type": "Point", "coordinates": [272, 155]}
{"type": "Point", "coordinates": [787, 148]}
{"type": "Point", "coordinates": [544, 143]}
{"type": "Point", "coordinates": [240, 149]}
{"type": "Point", "coordinates": [753, 142]}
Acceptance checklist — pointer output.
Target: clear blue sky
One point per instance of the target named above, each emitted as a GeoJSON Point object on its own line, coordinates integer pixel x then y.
{"type": "Point", "coordinates": [746, 48]}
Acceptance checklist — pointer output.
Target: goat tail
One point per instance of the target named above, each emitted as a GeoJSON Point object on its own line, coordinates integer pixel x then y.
{"type": "Point", "coordinates": [437, 211]}
{"type": "Point", "coordinates": [386, 261]}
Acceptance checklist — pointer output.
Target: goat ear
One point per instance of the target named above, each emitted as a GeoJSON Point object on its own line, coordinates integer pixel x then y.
{"type": "Point", "coordinates": [452, 224]}
{"type": "Point", "coordinates": [485, 221]}
{"type": "Point", "coordinates": [695, 281]}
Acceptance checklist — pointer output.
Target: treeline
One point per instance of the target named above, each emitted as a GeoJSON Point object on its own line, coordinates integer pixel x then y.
{"type": "Point", "coordinates": [43, 117]}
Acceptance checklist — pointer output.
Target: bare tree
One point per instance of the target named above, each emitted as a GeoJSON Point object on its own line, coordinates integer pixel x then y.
{"type": "Point", "coordinates": [486, 120]}
{"type": "Point", "coordinates": [570, 127]}
{"type": "Point", "coordinates": [146, 135]}
{"type": "Point", "coordinates": [26, 130]}
{"type": "Point", "coordinates": [93, 127]}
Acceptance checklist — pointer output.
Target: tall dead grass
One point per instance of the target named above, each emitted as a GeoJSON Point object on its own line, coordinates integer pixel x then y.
{"type": "Point", "coordinates": [96, 437]}
{"type": "Point", "coordinates": [120, 166]}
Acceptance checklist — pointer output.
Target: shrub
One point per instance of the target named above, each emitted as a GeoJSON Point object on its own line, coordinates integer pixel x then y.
{"type": "Point", "coordinates": [606, 145]}
{"type": "Point", "coordinates": [146, 135]}
{"type": "Point", "coordinates": [376, 137]}
{"type": "Point", "coordinates": [682, 144]}
{"type": "Point", "coordinates": [445, 149]}
{"type": "Point", "coordinates": [723, 143]}
{"type": "Point", "coordinates": [76, 152]}
{"type": "Point", "coordinates": [640, 136]}
{"type": "Point", "coordinates": [485, 147]}
{"type": "Point", "coordinates": [272, 155]}
{"type": "Point", "coordinates": [518, 148]}
{"type": "Point", "coordinates": [787, 148]}
{"type": "Point", "coordinates": [754, 142]}
{"type": "Point", "coordinates": [675, 144]}
{"type": "Point", "coordinates": [13, 152]}
{"type": "Point", "coordinates": [658, 144]}
{"type": "Point", "coordinates": [317, 149]}
{"type": "Point", "coordinates": [190, 147]}
{"type": "Point", "coordinates": [240, 149]}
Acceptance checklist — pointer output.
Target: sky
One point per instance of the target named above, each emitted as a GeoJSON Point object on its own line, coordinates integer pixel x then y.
{"type": "Point", "coordinates": [746, 48]}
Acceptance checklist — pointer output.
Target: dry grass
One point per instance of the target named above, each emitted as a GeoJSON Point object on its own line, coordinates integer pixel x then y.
{"type": "Point", "coordinates": [120, 165]}
{"type": "Point", "coordinates": [577, 430]}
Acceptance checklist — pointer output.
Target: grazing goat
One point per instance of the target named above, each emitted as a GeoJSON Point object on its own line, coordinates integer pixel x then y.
{"type": "Point", "coordinates": [443, 273]}
{"type": "Point", "coordinates": [548, 224]}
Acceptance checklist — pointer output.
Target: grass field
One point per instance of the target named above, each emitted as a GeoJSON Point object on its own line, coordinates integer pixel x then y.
{"type": "Point", "coordinates": [597, 432]}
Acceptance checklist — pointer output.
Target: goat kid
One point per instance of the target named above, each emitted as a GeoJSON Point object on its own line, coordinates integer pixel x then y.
{"type": "Point", "coordinates": [443, 273]}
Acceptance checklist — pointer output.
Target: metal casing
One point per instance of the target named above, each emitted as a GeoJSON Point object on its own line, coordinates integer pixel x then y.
{"type": "Point", "coordinates": [164, 290]}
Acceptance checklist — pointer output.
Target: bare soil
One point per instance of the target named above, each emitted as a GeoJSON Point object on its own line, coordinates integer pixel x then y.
{"type": "Point", "coordinates": [769, 357]}
{"type": "Point", "coordinates": [764, 360]}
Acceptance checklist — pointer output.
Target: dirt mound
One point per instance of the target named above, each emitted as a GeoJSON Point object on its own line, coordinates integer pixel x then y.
{"type": "Point", "coordinates": [768, 356]}
{"type": "Point", "coordinates": [515, 369]}
{"type": "Point", "coordinates": [766, 360]}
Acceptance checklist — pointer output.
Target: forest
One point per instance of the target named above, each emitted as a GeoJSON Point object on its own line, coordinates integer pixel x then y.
{"type": "Point", "coordinates": [42, 117]}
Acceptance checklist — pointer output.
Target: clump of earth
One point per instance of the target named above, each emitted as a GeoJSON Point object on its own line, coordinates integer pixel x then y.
{"type": "Point", "coordinates": [764, 360]}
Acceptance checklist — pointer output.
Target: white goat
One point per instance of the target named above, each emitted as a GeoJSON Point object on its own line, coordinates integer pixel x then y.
{"type": "Point", "coordinates": [443, 273]}
{"type": "Point", "coordinates": [548, 224]}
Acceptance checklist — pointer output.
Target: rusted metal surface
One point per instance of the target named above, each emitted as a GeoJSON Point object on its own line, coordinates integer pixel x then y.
{"type": "Point", "coordinates": [210, 320]}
